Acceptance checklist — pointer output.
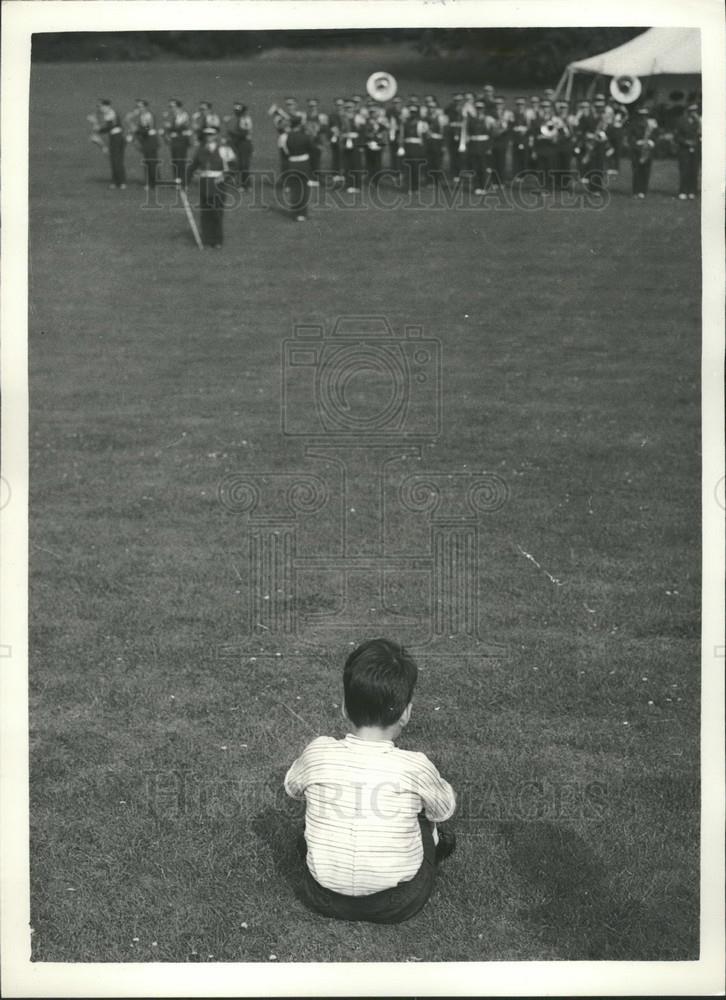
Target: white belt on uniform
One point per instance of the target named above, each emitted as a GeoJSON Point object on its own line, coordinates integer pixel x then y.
{"type": "Point", "coordinates": [479, 138]}
{"type": "Point", "coordinates": [299, 159]}
{"type": "Point", "coordinates": [412, 139]}
{"type": "Point", "coordinates": [116, 130]}
{"type": "Point", "coordinates": [435, 135]}
{"type": "Point", "coordinates": [211, 173]}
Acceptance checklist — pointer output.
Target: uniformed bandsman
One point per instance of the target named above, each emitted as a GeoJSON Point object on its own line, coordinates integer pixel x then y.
{"type": "Point", "coordinates": [490, 101]}
{"type": "Point", "coordinates": [317, 126]}
{"type": "Point", "coordinates": [210, 163]}
{"type": "Point", "coordinates": [452, 132]}
{"type": "Point", "coordinates": [563, 145]}
{"type": "Point", "coordinates": [205, 117]}
{"type": "Point", "coordinates": [299, 148]}
{"type": "Point", "coordinates": [395, 115]}
{"type": "Point", "coordinates": [521, 139]}
{"type": "Point", "coordinates": [413, 132]}
{"type": "Point", "coordinates": [145, 133]}
{"type": "Point", "coordinates": [687, 135]}
{"type": "Point", "coordinates": [501, 137]}
{"type": "Point", "coordinates": [375, 140]}
{"type": "Point", "coordinates": [178, 132]}
{"type": "Point", "coordinates": [616, 133]}
{"type": "Point", "coordinates": [534, 117]}
{"type": "Point", "coordinates": [108, 122]}
{"type": "Point", "coordinates": [479, 129]}
{"type": "Point", "coordinates": [351, 143]}
{"type": "Point", "coordinates": [641, 140]}
{"type": "Point", "coordinates": [545, 143]}
{"type": "Point", "coordinates": [335, 123]}
{"type": "Point", "coordinates": [434, 141]}
{"type": "Point", "coordinates": [239, 134]}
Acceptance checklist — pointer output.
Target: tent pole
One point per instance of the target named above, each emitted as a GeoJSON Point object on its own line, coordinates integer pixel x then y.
{"type": "Point", "coordinates": [568, 88]}
{"type": "Point", "coordinates": [562, 80]}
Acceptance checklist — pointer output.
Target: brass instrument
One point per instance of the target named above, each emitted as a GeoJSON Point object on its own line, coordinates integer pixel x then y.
{"type": "Point", "coordinates": [381, 86]}
{"type": "Point", "coordinates": [626, 89]}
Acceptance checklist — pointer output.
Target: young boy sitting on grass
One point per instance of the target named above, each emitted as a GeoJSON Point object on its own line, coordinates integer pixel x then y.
{"type": "Point", "coordinates": [371, 809]}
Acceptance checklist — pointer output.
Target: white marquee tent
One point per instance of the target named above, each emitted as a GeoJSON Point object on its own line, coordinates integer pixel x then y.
{"type": "Point", "coordinates": [669, 57]}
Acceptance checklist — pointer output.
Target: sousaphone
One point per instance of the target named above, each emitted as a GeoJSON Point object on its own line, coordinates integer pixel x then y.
{"type": "Point", "coordinates": [625, 89]}
{"type": "Point", "coordinates": [381, 86]}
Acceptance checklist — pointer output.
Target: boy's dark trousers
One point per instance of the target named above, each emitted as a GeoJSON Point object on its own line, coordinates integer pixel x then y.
{"type": "Point", "coordinates": [389, 906]}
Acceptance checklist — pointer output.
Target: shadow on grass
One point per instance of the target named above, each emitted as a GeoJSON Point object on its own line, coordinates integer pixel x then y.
{"type": "Point", "coordinates": [576, 911]}
{"type": "Point", "coordinates": [277, 832]}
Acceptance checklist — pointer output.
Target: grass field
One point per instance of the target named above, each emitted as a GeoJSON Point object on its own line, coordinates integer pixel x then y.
{"type": "Point", "coordinates": [571, 346]}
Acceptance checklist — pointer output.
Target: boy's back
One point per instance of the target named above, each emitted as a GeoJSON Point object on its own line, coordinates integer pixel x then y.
{"type": "Point", "coordinates": [363, 798]}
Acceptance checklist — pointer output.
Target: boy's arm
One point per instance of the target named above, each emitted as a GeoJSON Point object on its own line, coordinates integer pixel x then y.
{"type": "Point", "coordinates": [294, 779]}
{"type": "Point", "coordinates": [437, 795]}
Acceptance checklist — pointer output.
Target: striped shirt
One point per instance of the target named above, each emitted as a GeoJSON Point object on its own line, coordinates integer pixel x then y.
{"type": "Point", "coordinates": [362, 800]}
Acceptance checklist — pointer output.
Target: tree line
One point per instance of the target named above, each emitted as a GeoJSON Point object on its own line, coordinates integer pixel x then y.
{"type": "Point", "coordinates": [502, 55]}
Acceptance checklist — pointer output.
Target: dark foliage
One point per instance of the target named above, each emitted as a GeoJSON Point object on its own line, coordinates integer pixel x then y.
{"type": "Point", "coordinates": [502, 55]}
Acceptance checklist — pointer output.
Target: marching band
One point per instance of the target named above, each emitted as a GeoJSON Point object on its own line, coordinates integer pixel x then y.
{"type": "Point", "coordinates": [474, 140]}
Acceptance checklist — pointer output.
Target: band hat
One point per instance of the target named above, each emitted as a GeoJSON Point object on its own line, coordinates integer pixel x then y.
{"type": "Point", "coordinates": [210, 130]}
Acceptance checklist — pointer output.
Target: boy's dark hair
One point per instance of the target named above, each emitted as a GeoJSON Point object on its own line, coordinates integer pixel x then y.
{"type": "Point", "coordinates": [378, 681]}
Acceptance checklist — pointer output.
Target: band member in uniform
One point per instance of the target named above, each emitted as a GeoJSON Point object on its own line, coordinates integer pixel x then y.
{"type": "Point", "coordinates": [351, 140]}
{"type": "Point", "coordinates": [178, 131]}
{"type": "Point", "coordinates": [108, 123]}
{"type": "Point", "coordinates": [490, 101]}
{"type": "Point", "coordinates": [204, 117]}
{"type": "Point", "coordinates": [479, 129]}
{"type": "Point", "coordinates": [239, 134]}
{"type": "Point", "coordinates": [299, 147]}
{"type": "Point", "coordinates": [534, 115]}
{"type": "Point", "coordinates": [395, 115]}
{"type": "Point", "coordinates": [687, 135]}
{"type": "Point", "coordinates": [520, 139]}
{"type": "Point", "coordinates": [291, 108]}
{"type": "Point", "coordinates": [210, 164]}
{"type": "Point", "coordinates": [591, 147]}
{"type": "Point", "coordinates": [375, 139]}
{"type": "Point", "coordinates": [615, 133]}
{"type": "Point", "coordinates": [455, 120]}
{"type": "Point", "coordinates": [334, 123]}
{"type": "Point", "coordinates": [413, 131]}
{"type": "Point", "coordinates": [317, 126]}
{"type": "Point", "coordinates": [147, 137]}
{"type": "Point", "coordinates": [563, 145]}
{"type": "Point", "coordinates": [641, 139]}
{"type": "Point", "coordinates": [545, 145]}
{"type": "Point", "coordinates": [434, 141]}
{"type": "Point", "coordinates": [501, 135]}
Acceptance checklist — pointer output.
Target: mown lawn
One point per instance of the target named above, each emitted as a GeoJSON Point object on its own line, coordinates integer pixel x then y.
{"type": "Point", "coordinates": [571, 346]}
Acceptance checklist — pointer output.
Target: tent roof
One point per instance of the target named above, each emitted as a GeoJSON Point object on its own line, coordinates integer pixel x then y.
{"type": "Point", "coordinates": [658, 50]}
